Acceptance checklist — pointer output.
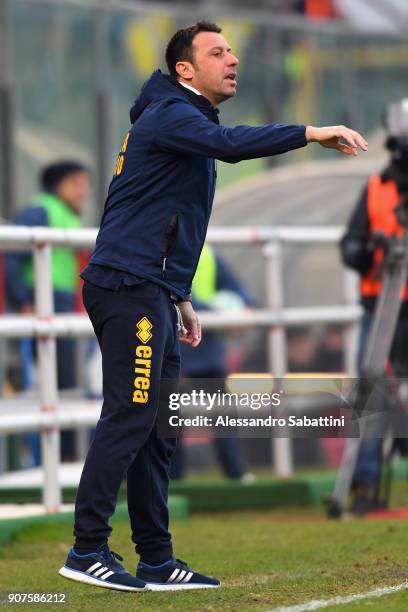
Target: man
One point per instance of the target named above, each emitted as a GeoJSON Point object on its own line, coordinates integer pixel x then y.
{"type": "Point", "coordinates": [137, 289]}
{"type": "Point", "coordinates": [208, 361]}
{"type": "Point", "coordinates": [373, 222]}
{"type": "Point", "coordinates": [65, 186]}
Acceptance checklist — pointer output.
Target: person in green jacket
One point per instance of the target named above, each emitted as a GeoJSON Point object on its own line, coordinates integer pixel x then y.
{"type": "Point", "coordinates": [65, 187]}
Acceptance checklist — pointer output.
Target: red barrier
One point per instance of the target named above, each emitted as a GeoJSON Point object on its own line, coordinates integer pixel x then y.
{"type": "Point", "coordinates": [82, 259]}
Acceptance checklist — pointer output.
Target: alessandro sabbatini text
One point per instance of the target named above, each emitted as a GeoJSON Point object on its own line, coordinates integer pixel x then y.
{"type": "Point", "coordinates": [269, 421]}
{"type": "Point", "coordinates": [254, 408]}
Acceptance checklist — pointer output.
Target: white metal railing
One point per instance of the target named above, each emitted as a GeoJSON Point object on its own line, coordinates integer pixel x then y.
{"type": "Point", "coordinates": [19, 237]}
{"type": "Point", "coordinates": [46, 325]}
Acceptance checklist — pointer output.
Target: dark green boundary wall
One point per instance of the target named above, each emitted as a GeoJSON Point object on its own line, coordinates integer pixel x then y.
{"type": "Point", "coordinates": [201, 495]}
{"type": "Point", "coordinates": [205, 495]}
{"type": "Point", "coordinates": [306, 490]}
{"type": "Point", "coordinates": [178, 507]}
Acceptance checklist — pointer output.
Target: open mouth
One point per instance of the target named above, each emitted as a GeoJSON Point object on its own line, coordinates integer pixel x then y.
{"type": "Point", "coordinates": [232, 77]}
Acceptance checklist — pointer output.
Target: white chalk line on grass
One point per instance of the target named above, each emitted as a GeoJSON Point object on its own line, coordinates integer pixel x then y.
{"type": "Point", "coordinates": [317, 604]}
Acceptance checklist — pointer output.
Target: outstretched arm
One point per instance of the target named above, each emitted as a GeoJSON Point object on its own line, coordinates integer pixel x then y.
{"type": "Point", "coordinates": [184, 129]}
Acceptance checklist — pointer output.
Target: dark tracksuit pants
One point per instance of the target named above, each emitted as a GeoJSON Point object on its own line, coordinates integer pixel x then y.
{"type": "Point", "coordinates": [126, 444]}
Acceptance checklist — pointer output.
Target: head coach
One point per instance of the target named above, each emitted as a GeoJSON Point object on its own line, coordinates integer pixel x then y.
{"type": "Point", "coordinates": [137, 294]}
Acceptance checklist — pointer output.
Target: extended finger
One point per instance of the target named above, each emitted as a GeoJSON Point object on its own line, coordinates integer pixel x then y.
{"type": "Point", "coordinates": [354, 139]}
{"type": "Point", "coordinates": [346, 149]}
{"type": "Point", "coordinates": [185, 339]}
{"type": "Point", "coordinates": [196, 332]}
{"type": "Point", "coordinates": [196, 341]}
{"type": "Point", "coordinates": [199, 330]}
{"type": "Point", "coordinates": [362, 143]}
{"type": "Point", "coordinates": [195, 329]}
{"type": "Point", "coordinates": [348, 136]}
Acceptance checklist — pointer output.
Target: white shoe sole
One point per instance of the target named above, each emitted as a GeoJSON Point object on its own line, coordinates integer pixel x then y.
{"type": "Point", "coordinates": [87, 579]}
{"type": "Point", "coordinates": [152, 586]}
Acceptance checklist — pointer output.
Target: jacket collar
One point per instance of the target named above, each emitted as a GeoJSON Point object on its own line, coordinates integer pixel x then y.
{"type": "Point", "coordinates": [201, 102]}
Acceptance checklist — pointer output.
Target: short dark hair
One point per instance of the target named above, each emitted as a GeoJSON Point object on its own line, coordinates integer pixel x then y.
{"type": "Point", "coordinates": [180, 46]}
{"type": "Point", "coordinates": [54, 173]}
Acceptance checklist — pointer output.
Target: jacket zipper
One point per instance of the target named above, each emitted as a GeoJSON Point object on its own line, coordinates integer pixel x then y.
{"type": "Point", "coordinates": [170, 233]}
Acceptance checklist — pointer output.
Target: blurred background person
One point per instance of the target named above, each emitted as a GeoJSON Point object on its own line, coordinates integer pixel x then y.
{"type": "Point", "coordinates": [310, 350]}
{"type": "Point", "coordinates": [215, 287]}
{"type": "Point", "coordinates": [301, 349]}
{"type": "Point", "coordinates": [65, 188]}
{"type": "Point", "coordinates": [302, 355]}
{"type": "Point", "coordinates": [329, 357]}
{"type": "Point", "coordinates": [372, 224]}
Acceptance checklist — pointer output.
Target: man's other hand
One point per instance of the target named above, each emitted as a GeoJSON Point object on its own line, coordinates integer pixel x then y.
{"type": "Point", "coordinates": [190, 333]}
{"type": "Point", "coordinates": [338, 137]}
{"type": "Point", "coordinates": [26, 309]}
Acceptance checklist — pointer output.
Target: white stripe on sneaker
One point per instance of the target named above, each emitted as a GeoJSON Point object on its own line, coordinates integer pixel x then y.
{"type": "Point", "coordinates": [105, 576]}
{"type": "Point", "coordinates": [93, 567]}
{"type": "Point", "coordinates": [173, 576]}
{"type": "Point", "coordinates": [188, 577]}
{"type": "Point", "coordinates": [180, 576]}
{"type": "Point", "coordinates": [100, 571]}
{"type": "Point", "coordinates": [79, 576]}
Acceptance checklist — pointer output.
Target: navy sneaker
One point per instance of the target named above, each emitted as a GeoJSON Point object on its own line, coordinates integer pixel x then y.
{"type": "Point", "coordinates": [173, 575]}
{"type": "Point", "coordinates": [101, 569]}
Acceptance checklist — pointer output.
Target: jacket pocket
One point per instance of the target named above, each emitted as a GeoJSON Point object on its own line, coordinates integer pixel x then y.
{"type": "Point", "coordinates": [170, 238]}
{"type": "Point", "coordinates": [143, 290]}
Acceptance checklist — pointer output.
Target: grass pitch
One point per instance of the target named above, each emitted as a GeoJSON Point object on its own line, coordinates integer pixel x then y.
{"type": "Point", "coordinates": [264, 560]}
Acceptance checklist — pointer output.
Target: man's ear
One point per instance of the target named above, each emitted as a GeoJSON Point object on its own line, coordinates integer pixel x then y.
{"type": "Point", "coordinates": [185, 70]}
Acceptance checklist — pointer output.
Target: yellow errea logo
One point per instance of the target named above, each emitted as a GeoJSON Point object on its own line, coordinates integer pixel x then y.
{"type": "Point", "coordinates": [144, 326]}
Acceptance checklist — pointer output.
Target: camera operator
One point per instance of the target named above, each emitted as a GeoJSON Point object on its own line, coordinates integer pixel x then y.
{"type": "Point", "coordinates": [374, 222]}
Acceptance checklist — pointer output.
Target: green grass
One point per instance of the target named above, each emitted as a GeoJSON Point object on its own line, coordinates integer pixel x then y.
{"type": "Point", "coordinates": [263, 559]}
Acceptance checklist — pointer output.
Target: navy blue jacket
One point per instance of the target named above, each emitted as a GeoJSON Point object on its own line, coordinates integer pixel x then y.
{"type": "Point", "coordinates": [159, 204]}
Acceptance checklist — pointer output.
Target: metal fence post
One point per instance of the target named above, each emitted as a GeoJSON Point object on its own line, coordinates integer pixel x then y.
{"type": "Point", "coordinates": [8, 183]}
{"type": "Point", "coordinates": [352, 297]}
{"type": "Point", "coordinates": [47, 377]}
{"type": "Point", "coordinates": [103, 106]}
{"type": "Point", "coordinates": [282, 447]}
